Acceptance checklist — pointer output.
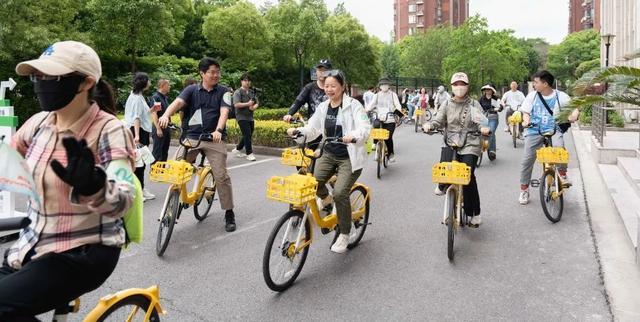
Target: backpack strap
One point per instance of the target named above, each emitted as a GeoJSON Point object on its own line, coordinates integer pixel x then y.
{"type": "Point", "coordinates": [544, 102]}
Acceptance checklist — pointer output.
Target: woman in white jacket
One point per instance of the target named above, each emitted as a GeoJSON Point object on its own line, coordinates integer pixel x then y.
{"type": "Point", "coordinates": [339, 117]}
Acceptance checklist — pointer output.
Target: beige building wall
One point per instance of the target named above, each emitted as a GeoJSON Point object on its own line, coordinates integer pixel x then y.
{"type": "Point", "coordinates": [621, 18]}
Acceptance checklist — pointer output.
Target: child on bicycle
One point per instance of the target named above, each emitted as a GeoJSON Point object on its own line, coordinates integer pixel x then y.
{"type": "Point", "coordinates": [339, 117]}
{"type": "Point", "coordinates": [459, 115]}
{"type": "Point", "coordinates": [385, 102]}
{"type": "Point", "coordinates": [539, 108]}
{"type": "Point", "coordinates": [81, 157]}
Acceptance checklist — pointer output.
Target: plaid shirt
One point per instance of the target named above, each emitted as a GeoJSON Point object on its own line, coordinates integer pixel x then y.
{"type": "Point", "coordinates": [65, 220]}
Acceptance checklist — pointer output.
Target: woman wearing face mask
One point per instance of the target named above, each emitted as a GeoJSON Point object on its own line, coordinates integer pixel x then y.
{"type": "Point", "coordinates": [340, 116]}
{"type": "Point", "coordinates": [456, 116]}
{"type": "Point", "coordinates": [491, 106]}
{"type": "Point", "coordinates": [81, 157]}
{"type": "Point", "coordinates": [137, 116]}
{"type": "Point", "coordinates": [384, 102]}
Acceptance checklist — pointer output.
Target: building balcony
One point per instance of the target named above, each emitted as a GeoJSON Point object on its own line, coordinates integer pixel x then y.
{"type": "Point", "coordinates": [587, 19]}
{"type": "Point", "coordinates": [420, 13]}
{"type": "Point", "coordinates": [419, 2]}
{"type": "Point", "coordinates": [420, 25]}
{"type": "Point", "coordinates": [587, 3]}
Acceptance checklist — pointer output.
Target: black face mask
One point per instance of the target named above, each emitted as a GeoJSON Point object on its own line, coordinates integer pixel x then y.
{"type": "Point", "coordinates": [56, 94]}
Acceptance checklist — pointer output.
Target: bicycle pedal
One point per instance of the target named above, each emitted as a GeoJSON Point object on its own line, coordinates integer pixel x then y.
{"type": "Point", "coordinates": [566, 185]}
{"type": "Point", "coordinates": [535, 183]}
{"type": "Point", "coordinates": [325, 231]}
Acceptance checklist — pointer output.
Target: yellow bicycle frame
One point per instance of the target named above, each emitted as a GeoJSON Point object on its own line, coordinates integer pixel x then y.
{"type": "Point", "coordinates": [186, 197]}
{"type": "Point", "coordinates": [152, 293]}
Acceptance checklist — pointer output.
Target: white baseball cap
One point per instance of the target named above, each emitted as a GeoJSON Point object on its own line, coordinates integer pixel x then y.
{"type": "Point", "coordinates": [460, 77]}
{"type": "Point", "coordinates": [64, 57]}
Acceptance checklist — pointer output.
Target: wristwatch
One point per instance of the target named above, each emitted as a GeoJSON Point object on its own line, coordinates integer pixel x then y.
{"type": "Point", "coordinates": [219, 130]}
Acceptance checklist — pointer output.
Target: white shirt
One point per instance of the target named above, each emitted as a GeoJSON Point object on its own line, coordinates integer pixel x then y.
{"type": "Point", "coordinates": [440, 98]}
{"type": "Point", "coordinates": [367, 97]}
{"type": "Point", "coordinates": [513, 99]}
{"type": "Point", "coordinates": [384, 103]}
{"type": "Point", "coordinates": [563, 100]}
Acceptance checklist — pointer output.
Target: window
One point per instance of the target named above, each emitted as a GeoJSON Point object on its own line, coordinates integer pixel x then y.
{"type": "Point", "coordinates": [412, 30]}
{"type": "Point", "coordinates": [412, 8]}
{"type": "Point", "coordinates": [412, 19]}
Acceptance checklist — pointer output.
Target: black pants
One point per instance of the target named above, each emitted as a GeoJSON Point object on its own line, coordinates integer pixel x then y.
{"type": "Point", "coordinates": [53, 280]}
{"type": "Point", "coordinates": [144, 140]}
{"type": "Point", "coordinates": [246, 127]}
{"type": "Point", "coordinates": [161, 144]}
{"type": "Point", "coordinates": [470, 191]}
{"type": "Point", "coordinates": [391, 127]}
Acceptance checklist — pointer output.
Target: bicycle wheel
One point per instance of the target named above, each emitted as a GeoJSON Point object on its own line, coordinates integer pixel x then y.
{"type": "Point", "coordinates": [281, 254]}
{"type": "Point", "coordinates": [427, 115]}
{"type": "Point", "coordinates": [203, 205]}
{"type": "Point", "coordinates": [551, 207]}
{"type": "Point", "coordinates": [480, 159]}
{"type": "Point", "coordinates": [131, 308]}
{"type": "Point", "coordinates": [385, 158]}
{"type": "Point", "coordinates": [167, 222]}
{"type": "Point", "coordinates": [514, 135]}
{"type": "Point", "coordinates": [451, 210]}
{"type": "Point", "coordinates": [380, 154]}
{"type": "Point", "coordinates": [359, 201]}
{"type": "Point", "coordinates": [417, 124]}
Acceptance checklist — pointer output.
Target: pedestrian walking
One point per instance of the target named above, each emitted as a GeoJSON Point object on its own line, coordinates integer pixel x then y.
{"type": "Point", "coordinates": [161, 137]}
{"type": "Point", "coordinates": [245, 103]}
{"type": "Point", "coordinates": [137, 116]}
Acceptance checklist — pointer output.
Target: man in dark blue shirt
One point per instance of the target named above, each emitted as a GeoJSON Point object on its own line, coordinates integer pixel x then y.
{"type": "Point", "coordinates": [161, 138]}
{"type": "Point", "coordinates": [206, 107]}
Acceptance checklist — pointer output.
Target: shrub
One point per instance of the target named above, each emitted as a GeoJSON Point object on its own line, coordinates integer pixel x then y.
{"type": "Point", "coordinates": [273, 114]}
{"type": "Point", "coordinates": [267, 133]}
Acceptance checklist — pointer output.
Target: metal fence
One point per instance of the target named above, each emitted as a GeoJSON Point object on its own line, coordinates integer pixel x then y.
{"type": "Point", "coordinates": [599, 120]}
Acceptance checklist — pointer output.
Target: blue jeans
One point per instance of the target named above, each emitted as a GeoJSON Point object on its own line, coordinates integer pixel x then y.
{"type": "Point", "coordinates": [493, 125]}
{"type": "Point", "coordinates": [411, 108]}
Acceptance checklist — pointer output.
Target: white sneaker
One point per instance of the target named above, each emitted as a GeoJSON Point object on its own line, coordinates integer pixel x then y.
{"type": "Point", "coordinates": [506, 129]}
{"type": "Point", "coordinates": [392, 158]}
{"type": "Point", "coordinates": [238, 154]}
{"type": "Point", "coordinates": [373, 146]}
{"type": "Point", "coordinates": [565, 181]}
{"type": "Point", "coordinates": [375, 157]}
{"type": "Point", "coordinates": [340, 246]}
{"type": "Point", "coordinates": [524, 197]}
{"type": "Point", "coordinates": [251, 157]}
{"type": "Point", "coordinates": [146, 195]}
{"type": "Point", "coordinates": [476, 221]}
{"type": "Point", "coordinates": [438, 192]}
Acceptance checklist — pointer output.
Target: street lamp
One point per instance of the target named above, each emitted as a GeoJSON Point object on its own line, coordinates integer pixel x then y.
{"type": "Point", "coordinates": [300, 52]}
{"type": "Point", "coordinates": [607, 38]}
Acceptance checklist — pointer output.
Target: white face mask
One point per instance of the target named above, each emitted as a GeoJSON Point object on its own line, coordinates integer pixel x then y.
{"type": "Point", "coordinates": [460, 91]}
{"type": "Point", "coordinates": [384, 88]}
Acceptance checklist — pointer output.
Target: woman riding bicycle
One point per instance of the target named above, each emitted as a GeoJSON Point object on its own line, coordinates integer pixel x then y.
{"type": "Point", "coordinates": [491, 106]}
{"type": "Point", "coordinates": [384, 103]}
{"type": "Point", "coordinates": [81, 157]}
{"type": "Point", "coordinates": [458, 116]}
{"type": "Point", "coordinates": [339, 117]}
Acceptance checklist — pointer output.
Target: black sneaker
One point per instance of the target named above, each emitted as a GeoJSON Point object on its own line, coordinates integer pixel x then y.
{"type": "Point", "coordinates": [492, 155]}
{"type": "Point", "coordinates": [230, 221]}
{"type": "Point", "coordinates": [326, 210]}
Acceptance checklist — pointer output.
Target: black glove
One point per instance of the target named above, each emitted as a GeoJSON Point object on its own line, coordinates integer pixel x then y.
{"type": "Point", "coordinates": [81, 172]}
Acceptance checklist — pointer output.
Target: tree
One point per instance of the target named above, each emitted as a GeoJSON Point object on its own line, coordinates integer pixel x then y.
{"type": "Point", "coordinates": [575, 49]}
{"type": "Point", "coordinates": [390, 60]}
{"type": "Point", "coordinates": [350, 49]}
{"type": "Point", "coordinates": [486, 56]}
{"type": "Point", "coordinates": [242, 34]}
{"type": "Point", "coordinates": [297, 30]}
{"type": "Point", "coordinates": [133, 27]}
{"type": "Point", "coordinates": [422, 54]}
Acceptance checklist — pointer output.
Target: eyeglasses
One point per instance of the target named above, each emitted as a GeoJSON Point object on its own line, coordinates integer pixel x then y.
{"type": "Point", "coordinates": [333, 72]}
{"type": "Point", "coordinates": [213, 72]}
{"type": "Point", "coordinates": [37, 78]}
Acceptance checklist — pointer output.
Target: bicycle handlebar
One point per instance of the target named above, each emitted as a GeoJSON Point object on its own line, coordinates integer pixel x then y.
{"type": "Point", "coordinates": [203, 136]}
{"type": "Point", "coordinates": [16, 223]}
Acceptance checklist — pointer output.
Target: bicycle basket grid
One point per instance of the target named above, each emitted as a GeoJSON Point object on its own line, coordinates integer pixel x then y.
{"type": "Point", "coordinates": [172, 171]}
{"type": "Point", "coordinates": [379, 134]}
{"type": "Point", "coordinates": [552, 155]}
{"type": "Point", "coordinates": [294, 157]}
{"type": "Point", "coordinates": [294, 189]}
{"type": "Point", "coordinates": [451, 173]}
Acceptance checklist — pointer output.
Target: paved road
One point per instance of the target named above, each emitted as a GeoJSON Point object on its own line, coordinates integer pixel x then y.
{"type": "Point", "coordinates": [516, 266]}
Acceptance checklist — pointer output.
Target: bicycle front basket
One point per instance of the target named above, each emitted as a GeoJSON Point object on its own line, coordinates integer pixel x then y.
{"type": "Point", "coordinates": [553, 155]}
{"type": "Point", "coordinates": [379, 134]}
{"type": "Point", "coordinates": [451, 173]}
{"type": "Point", "coordinates": [515, 118]}
{"type": "Point", "coordinates": [419, 112]}
{"type": "Point", "coordinates": [294, 157]}
{"type": "Point", "coordinates": [294, 189]}
{"type": "Point", "coordinates": [172, 171]}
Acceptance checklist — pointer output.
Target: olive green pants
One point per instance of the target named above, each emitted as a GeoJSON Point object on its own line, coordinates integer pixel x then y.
{"type": "Point", "coordinates": [325, 168]}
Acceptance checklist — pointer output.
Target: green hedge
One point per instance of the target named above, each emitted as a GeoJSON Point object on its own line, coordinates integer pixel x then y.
{"type": "Point", "coordinates": [266, 133]}
{"type": "Point", "coordinates": [613, 117]}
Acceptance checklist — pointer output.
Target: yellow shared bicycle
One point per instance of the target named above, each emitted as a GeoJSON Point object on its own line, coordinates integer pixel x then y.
{"type": "Point", "coordinates": [135, 304]}
{"type": "Point", "coordinates": [288, 244]}
{"type": "Point", "coordinates": [178, 173]}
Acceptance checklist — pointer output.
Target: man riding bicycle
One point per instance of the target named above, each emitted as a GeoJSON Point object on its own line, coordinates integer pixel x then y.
{"type": "Point", "coordinates": [440, 97]}
{"type": "Point", "coordinates": [206, 106]}
{"type": "Point", "coordinates": [539, 109]}
{"type": "Point", "coordinates": [512, 100]}
{"type": "Point", "coordinates": [386, 102]}
{"type": "Point", "coordinates": [462, 114]}
{"type": "Point", "coordinates": [339, 117]}
{"type": "Point", "coordinates": [81, 157]}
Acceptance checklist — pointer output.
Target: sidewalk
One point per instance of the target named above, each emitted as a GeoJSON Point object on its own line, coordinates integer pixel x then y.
{"type": "Point", "coordinates": [615, 252]}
